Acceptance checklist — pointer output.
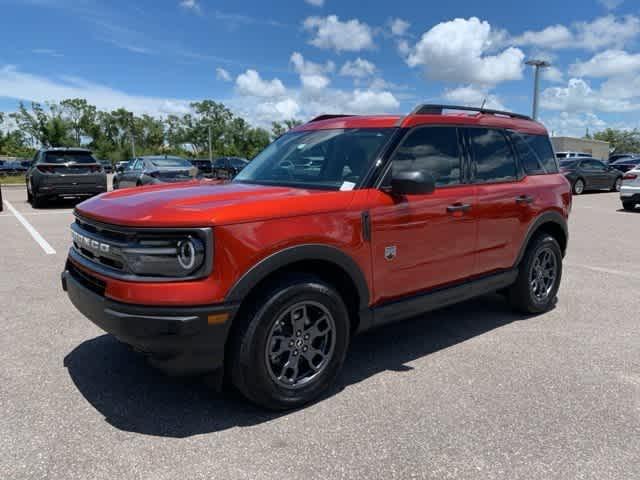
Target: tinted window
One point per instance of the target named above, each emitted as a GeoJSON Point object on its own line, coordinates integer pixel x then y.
{"type": "Point", "coordinates": [494, 160]}
{"type": "Point", "coordinates": [219, 163]}
{"type": "Point", "coordinates": [170, 162]}
{"type": "Point", "coordinates": [238, 163]}
{"type": "Point", "coordinates": [433, 150]}
{"type": "Point", "coordinates": [593, 165]}
{"type": "Point", "coordinates": [68, 157]}
{"type": "Point", "coordinates": [568, 163]}
{"type": "Point", "coordinates": [529, 159]}
{"type": "Point", "coordinates": [561, 155]}
{"type": "Point", "coordinates": [542, 146]}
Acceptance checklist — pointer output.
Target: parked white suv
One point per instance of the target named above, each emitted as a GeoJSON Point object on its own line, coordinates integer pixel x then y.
{"type": "Point", "coordinates": [630, 189]}
{"type": "Point", "coordinates": [566, 155]}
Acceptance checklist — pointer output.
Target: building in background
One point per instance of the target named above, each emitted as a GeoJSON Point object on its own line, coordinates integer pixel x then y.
{"type": "Point", "coordinates": [595, 148]}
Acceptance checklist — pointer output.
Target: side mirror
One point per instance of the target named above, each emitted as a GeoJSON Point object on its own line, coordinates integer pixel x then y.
{"type": "Point", "coordinates": [412, 183]}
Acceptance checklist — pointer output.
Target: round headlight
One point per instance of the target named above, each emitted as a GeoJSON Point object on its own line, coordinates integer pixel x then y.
{"type": "Point", "coordinates": [186, 251]}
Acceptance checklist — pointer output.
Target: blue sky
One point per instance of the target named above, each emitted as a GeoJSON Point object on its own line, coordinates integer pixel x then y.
{"type": "Point", "coordinates": [298, 58]}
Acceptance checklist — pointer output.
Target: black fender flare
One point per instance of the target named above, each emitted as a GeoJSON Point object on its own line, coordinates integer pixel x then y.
{"type": "Point", "coordinates": [546, 217]}
{"type": "Point", "coordinates": [291, 255]}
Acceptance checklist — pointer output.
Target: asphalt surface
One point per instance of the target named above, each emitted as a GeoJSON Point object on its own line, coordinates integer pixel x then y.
{"type": "Point", "coordinates": [472, 391]}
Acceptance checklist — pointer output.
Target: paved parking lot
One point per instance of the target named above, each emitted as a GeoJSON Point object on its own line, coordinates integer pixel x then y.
{"type": "Point", "coordinates": [473, 391]}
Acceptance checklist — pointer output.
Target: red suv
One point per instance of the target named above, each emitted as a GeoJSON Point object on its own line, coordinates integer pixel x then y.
{"type": "Point", "coordinates": [340, 225]}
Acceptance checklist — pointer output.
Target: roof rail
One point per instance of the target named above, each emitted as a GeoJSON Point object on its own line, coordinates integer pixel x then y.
{"type": "Point", "coordinates": [327, 117]}
{"type": "Point", "coordinates": [429, 109]}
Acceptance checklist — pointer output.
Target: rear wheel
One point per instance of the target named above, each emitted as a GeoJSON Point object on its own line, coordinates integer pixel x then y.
{"type": "Point", "coordinates": [617, 184]}
{"type": "Point", "coordinates": [578, 187]}
{"type": "Point", "coordinates": [115, 185]}
{"type": "Point", "coordinates": [628, 205]}
{"type": "Point", "coordinates": [539, 276]}
{"type": "Point", "coordinates": [291, 345]}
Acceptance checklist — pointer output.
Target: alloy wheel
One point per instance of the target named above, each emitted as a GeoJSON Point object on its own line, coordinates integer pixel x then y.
{"type": "Point", "coordinates": [618, 184]}
{"type": "Point", "coordinates": [578, 187]}
{"type": "Point", "coordinates": [543, 274]}
{"type": "Point", "coordinates": [300, 344]}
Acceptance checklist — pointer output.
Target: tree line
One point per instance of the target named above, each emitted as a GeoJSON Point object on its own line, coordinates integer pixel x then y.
{"type": "Point", "coordinates": [115, 135]}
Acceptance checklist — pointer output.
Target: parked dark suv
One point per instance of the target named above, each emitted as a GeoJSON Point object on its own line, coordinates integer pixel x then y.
{"type": "Point", "coordinates": [264, 279]}
{"type": "Point", "coordinates": [64, 172]}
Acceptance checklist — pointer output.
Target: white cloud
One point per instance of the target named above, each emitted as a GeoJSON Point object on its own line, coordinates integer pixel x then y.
{"type": "Point", "coordinates": [607, 32]}
{"type": "Point", "coordinates": [312, 75]}
{"type": "Point", "coordinates": [456, 51]}
{"type": "Point", "coordinates": [553, 74]}
{"type": "Point", "coordinates": [224, 75]}
{"type": "Point", "coordinates": [622, 87]}
{"type": "Point", "coordinates": [473, 97]}
{"type": "Point", "coordinates": [250, 83]}
{"type": "Point", "coordinates": [368, 101]}
{"type": "Point", "coordinates": [191, 5]}
{"type": "Point", "coordinates": [358, 68]}
{"type": "Point", "coordinates": [399, 27]}
{"type": "Point", "coordinates": [573, 125]}
{"type": "Point", "coordinates": [403, 48]}
{"type": "Point", "coordinates": [603, 32]}
{"type": "Point", "coordinates": [278, 111]}
{"type": "Point", "coordinates": [315, 3]}
{"type": "Point", "coordinates": [331, 33]}
{"type": "Point", "coordinates": [611, 4]}
{"type": "Point", "coordinates": [556, 36]}
{"type": "Point", "coordinates": [578, 96]}
{"type": "Point", "coordinates": [607, 64]}
{"type": "Point", "coordinates": [18, 85]}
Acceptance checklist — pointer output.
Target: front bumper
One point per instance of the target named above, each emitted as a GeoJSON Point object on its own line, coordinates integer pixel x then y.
{"type": "Point", "coordinates": [180, 341]}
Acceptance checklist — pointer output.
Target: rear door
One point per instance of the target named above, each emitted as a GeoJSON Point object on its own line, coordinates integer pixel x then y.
{"type": "Point", "coordinates": [597, 174]}
{"type": "Point", "coordinates": [504, 199]}
{"type": "Point", "coordinates": [131, 173]}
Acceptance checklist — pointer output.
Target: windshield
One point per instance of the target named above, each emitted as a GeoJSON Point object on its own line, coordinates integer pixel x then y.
{"type": "Point", "coordinates": [326, 159]}
{"type": "Point", "coordinates": [568, 163]}
{"type": "Point", "coordinates": [68, 157]}
{"type": "Point", "coordinates": [170, 162]}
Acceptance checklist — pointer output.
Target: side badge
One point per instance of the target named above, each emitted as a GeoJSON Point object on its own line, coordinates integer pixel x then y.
{"type": "Point", "coordinates": [390, 253]}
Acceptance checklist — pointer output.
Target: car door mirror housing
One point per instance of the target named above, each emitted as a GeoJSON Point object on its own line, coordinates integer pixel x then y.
{"type": "Point", "coordinates": [412, 182]}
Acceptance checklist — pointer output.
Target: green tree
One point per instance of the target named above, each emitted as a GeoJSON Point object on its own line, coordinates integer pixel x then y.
{"type": "Point", "coordinates": [81, 118]}
{"type": "Point", "coordinates": [621, 141]}
{"type": "Point", "coordinates": [278, 128]}
{"type": "Point", "coordinates": [46, 127]}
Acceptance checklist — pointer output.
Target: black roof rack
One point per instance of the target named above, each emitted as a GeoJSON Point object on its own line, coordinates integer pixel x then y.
{"type": "Point", "coordinates": [328, 116]}
{"type": "Point", "coordinates": [428, 109]}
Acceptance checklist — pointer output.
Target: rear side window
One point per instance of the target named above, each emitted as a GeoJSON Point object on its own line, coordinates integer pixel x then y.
{"type": "Point", "coordinates": [494, 159]}
{"type": "Point", "coordinates": [529, 159]}
{"type": "Point", "coordinates": [542, 146]}
{"type": "Point", "coordinates": [68, 157]}
{"type": "Point", "coordinates": [433, 150]}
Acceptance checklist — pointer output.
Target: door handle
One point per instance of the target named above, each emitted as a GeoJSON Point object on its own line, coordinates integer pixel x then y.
{"type": "Point", "coordinates": [458, 207]}
{"type": "Point", "coordinates": [525, 199]}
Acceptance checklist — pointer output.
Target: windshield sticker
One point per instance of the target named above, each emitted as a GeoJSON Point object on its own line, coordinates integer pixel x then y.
{"type": "Point", "coordinates": [347, 186]}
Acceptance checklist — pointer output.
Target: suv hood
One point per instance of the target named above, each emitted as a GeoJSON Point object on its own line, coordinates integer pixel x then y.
{"type": "Point", "coordinates": [206, 203]}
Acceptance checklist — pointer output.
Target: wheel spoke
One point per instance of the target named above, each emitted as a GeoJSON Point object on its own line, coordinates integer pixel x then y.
{"type": "Point", "coordinates": [299, 317]}
{"type": "Point", "coordinates": [291, 364]}
{"type": "Point", "coordinates": [313, 354]}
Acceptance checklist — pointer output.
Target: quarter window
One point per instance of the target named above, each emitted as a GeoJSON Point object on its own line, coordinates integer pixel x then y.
{"type": "Point", "coordinates": [494, 160]}
{"type": "Point", "coordinates": [433, 150]}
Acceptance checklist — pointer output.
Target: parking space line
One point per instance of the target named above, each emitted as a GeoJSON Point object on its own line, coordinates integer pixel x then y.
{"type": "Point", "coordinates": [610, 271]}
{"type": "Point", "coordinates": [48, 249]}
{"type": "Point", "coordinates": [36, 214]}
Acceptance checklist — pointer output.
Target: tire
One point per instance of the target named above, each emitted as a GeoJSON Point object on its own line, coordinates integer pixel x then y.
{"type": "Point", "coordinates": [264, 375]}
{"type": "Point", "coordinates": [629, 206]}
{"type": "Point", "coordinates": [578, 187]}
{"type": "Point", "coordinates": [617, 184]}
{"type": "Point", "coordinates": [36, 200]}
{"type": "Point", "coordinates": [528, 297]}
{"type": "Point", "coordinates": [115, 184]}
{"type": "Point", "coordinates": [29, 196]}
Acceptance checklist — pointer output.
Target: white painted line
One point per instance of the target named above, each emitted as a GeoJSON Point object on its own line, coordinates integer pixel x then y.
{"type": "Point", "coordinates": [48, 249]}
{"type": "Point", "coordinates": [38, 214]}
{"type": "Point", "coordinates": [610, 271]}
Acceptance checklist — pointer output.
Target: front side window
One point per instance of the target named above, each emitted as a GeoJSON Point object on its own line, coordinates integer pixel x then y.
{"type": "Point", "coordinates": [325, 159]}
{"type": "Point", "coordinates": [433, 150]}
{"type": "Point", "coordinates": [494, 160]}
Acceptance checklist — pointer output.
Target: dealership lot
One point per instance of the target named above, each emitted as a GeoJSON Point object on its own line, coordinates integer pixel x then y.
{"type": "Point", "coordinates": [472, 391]}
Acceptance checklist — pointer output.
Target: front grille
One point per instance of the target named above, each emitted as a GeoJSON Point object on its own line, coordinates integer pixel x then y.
{"type": "Point", "coordinates": [88, 281]}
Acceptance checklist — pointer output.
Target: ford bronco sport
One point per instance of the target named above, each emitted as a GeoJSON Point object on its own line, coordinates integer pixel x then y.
{"type": "Point", "coordinates": [340, 225]}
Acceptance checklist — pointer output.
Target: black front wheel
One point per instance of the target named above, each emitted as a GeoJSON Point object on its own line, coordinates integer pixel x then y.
{"type": "Point", "coordinates": [629, 206]}
{"type": "Point", "coordinates": [291, 343]}
{"type": "Point", "coordinates": [617, 185]}
{"type": "Point", "coordinates": [539, 276]}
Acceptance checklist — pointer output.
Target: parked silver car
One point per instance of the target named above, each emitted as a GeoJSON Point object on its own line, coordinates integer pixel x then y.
{"type": "Point", "coordinates": [154, 169]}
{"type": "Point", "coordinates": [64, 172]}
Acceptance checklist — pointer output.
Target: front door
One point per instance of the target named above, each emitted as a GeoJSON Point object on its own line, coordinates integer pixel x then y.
{"type": "Point", "coordinates": [420, 242]}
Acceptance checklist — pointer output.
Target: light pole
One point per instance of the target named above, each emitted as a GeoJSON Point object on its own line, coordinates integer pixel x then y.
{"type": "Point", "coordinates": [537, 64]}
{"type": "Point", "coordinates": [210, 150]}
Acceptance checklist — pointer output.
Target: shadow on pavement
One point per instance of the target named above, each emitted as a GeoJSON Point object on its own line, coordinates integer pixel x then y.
{"type": "Point", "coordinates": [134, 397]}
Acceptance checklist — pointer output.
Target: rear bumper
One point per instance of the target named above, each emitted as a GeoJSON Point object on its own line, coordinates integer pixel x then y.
{"type": "Point", "coordinates": [628, 193]}
{"type": "Point", "coordinates": [180, 341]}
{"type": "Point", "coordinates": [71, 190]}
